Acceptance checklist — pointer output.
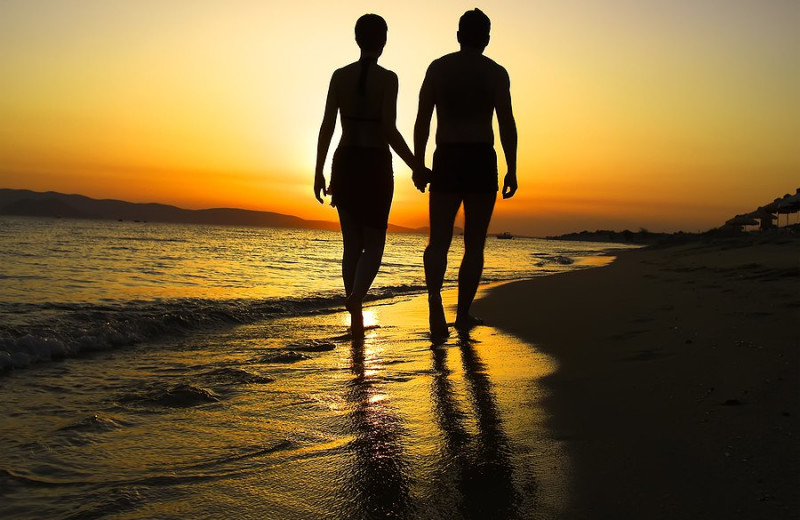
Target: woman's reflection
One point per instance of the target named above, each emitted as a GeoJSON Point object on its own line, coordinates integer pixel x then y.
{"type": "Point", "coordinates": [379, 483]}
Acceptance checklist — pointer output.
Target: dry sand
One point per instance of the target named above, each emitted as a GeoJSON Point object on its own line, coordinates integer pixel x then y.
{"type": "Point", "coordinates": [678, 378]}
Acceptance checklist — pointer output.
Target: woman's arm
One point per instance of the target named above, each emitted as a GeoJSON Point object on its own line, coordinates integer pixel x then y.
{"type": "Point", "coordinates": [325, 136]}
{"type": "Point", "coordinates": [389, 124]}
{"type": "Point", "coordinates": [422, 128]}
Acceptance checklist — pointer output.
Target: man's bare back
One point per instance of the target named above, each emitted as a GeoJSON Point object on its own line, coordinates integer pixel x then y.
{"type": "Point", "coordinates": [465, 87]}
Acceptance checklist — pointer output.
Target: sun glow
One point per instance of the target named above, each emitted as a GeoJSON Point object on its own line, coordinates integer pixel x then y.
{"type": "Point", "coordinates": [674, 108]}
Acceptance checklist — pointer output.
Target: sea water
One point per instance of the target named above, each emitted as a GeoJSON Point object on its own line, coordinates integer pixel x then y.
{"type": "Point", "coordinates": [173, 371]}
{"type": "Point", "coordinates": [68, 286]}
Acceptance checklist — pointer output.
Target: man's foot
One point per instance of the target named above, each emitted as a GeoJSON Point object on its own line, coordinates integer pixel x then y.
{"type": "Point", "coordinates": [467, 322]}
{"type": "Point", "coordinates": [436, 320]}
{"type": "Point", "coordinates": [356, 316]}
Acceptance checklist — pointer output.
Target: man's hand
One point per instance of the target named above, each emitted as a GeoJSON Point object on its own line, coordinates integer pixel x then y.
{"type": "Point", "coordinates": [319, 187]}
{"type": "Point", "coordinates": [421, 178]}
{"type": "Point", "coordinates": [509, 185]}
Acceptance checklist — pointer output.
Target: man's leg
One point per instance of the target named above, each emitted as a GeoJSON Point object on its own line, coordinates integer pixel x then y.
{"type": "Point", "coordinates": [443, 208]}
{"type": "Point", "coordinates": [478, 208]}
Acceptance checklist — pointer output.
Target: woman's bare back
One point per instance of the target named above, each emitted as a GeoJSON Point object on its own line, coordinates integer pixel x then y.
{"type": "Point", "coordinates": [361, 108]}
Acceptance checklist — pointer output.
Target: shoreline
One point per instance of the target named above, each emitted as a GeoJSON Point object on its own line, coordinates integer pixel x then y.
{"type": "Point", "coordinates": [677, 390]}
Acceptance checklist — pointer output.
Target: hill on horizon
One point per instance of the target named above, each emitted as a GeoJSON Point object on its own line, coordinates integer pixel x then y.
{"type": "Point", "coordinates": [59, 205]}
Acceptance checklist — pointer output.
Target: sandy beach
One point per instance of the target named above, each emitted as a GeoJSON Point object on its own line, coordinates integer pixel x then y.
{"type": "Point", "coordinates": [678, 378]}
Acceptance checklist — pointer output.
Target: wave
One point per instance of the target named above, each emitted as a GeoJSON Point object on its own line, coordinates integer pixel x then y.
{"type": "Point", "coordinates": [153, 239]}
{"type": "Point", "coordinates": [32, 333]}
{"type": "Point", "coordinates": [55, 331]}
{"type": "Point", "coordinates": [544, 259]}
{"type": "Point", "coordinates": [176, 396]}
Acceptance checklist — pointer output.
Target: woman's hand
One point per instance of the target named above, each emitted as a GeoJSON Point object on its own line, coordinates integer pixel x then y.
{"type": "Point", "coordinates": [319, 187]}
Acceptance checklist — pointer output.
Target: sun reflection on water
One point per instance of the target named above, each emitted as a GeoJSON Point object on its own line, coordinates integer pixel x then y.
{"type": "Point", "coordinates": [377, 398]}
{"type": "Point", "coordinates": [370, 319]}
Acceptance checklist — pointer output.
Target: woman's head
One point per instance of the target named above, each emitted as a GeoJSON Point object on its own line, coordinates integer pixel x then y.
{"type": "Point", "coordinates": [371, 32]}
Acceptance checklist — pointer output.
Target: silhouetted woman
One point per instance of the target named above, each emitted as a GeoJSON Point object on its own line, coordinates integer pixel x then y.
{"type": "Point", "coordinates": [362, 183]}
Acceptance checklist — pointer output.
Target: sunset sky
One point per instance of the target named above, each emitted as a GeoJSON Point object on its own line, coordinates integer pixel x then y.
{"type": "Point", "coordinates": [667, 115]}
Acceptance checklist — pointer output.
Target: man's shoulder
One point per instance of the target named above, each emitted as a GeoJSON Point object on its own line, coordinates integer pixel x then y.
{"type": "Point", "coordinates": [457, 58]}
{"type": "Point", "coordinates": [439, 63]}
{"type": "Point", "coordinates": [490, 63]}
{"type": "Point", "coordinates": [447, 57]}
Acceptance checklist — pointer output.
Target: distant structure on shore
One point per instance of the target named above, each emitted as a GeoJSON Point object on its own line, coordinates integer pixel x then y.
{"type": "Point", "coordinates": [764, 216]}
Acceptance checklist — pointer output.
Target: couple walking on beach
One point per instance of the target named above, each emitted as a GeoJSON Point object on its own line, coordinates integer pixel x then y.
{"type": "Point", "coordinates": [466, 88]}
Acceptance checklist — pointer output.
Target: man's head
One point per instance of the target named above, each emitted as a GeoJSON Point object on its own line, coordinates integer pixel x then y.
{"type": "Point", "coordinates": [371, 32]}
{"type": "Point", "coordinates": [473, 29]}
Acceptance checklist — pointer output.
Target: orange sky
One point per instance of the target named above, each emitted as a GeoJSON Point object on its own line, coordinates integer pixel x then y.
{"type": "Point", "coordinates": [663, 115]}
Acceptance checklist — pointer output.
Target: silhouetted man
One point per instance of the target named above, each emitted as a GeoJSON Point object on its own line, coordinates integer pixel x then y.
{"type": "Point", "coordinates": [466, 88]}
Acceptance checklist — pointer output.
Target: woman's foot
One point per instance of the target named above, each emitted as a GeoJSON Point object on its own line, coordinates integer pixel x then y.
{"type": "Point", "coordinates": [356, 316]}
{"type": "Point", "coordinates": [436, 320]}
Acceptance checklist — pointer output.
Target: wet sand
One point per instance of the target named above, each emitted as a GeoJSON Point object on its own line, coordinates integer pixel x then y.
{"type": "Point", "coordinates": [288, 418]}
{"type": "Point", "coordinates": [677, 388]}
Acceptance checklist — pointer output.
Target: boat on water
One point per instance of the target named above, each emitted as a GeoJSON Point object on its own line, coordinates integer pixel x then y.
{"type": "Point", "coordinates": [505, 236]}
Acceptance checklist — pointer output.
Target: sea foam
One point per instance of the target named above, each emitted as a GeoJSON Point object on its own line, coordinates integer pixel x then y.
{"type": "Point", "coordinates": [72, 330]}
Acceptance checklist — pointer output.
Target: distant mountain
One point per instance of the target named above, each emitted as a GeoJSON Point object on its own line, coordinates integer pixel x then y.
{"type": "Point", "coordinates": [52, 204]}
{"type": "Point", "coordinates": [49, 207]}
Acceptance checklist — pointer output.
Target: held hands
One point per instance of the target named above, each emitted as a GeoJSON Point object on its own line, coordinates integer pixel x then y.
{"type": "Point", "coordinates": [510, 185]}
{"type": "Point", "coordinates": [319, 187]}
{"type": "Point", "coordinates": [421, 177]}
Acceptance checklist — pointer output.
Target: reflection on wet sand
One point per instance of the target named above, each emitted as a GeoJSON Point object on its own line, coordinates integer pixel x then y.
{"type": "Point", "coordinates": [383, 428]}
{"type": "Point", "coordinates": [379, 481]}
{"type": "Point", "coordinates": [481, 463]}
{"type": "Point", "coordinates": [449, 447]}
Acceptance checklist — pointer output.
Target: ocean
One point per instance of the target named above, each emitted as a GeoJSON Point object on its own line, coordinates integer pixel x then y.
{"type": "Point", "coordinates": [180, 371]}
{"type": "Point", "coordinates": [68, 286]}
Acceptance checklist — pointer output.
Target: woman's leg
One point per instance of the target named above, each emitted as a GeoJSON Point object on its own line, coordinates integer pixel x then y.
{"type": "Point", "coordinates": [374, 240]}
{"type": "Point", "coordinates": [361, 260]}
{"type": "Point", "coordinates": [353, 244]}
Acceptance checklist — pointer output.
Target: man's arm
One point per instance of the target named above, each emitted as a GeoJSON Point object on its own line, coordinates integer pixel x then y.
{"type": "Point", "coordinates": [422, 129]}
{"type": "Point", "coordinates": [508, 134]}
{"type": "Point", "coordinates": [324, 140]}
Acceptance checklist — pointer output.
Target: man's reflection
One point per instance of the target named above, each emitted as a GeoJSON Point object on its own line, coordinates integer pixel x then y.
{"type": "Point", "coordinates": [482, 463]}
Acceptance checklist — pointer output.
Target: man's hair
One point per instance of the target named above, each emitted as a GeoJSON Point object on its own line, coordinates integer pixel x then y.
{"type": "Point", "coordinates": [371, 32]}
{"type": "Point", "coordinates": [473, 29]}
